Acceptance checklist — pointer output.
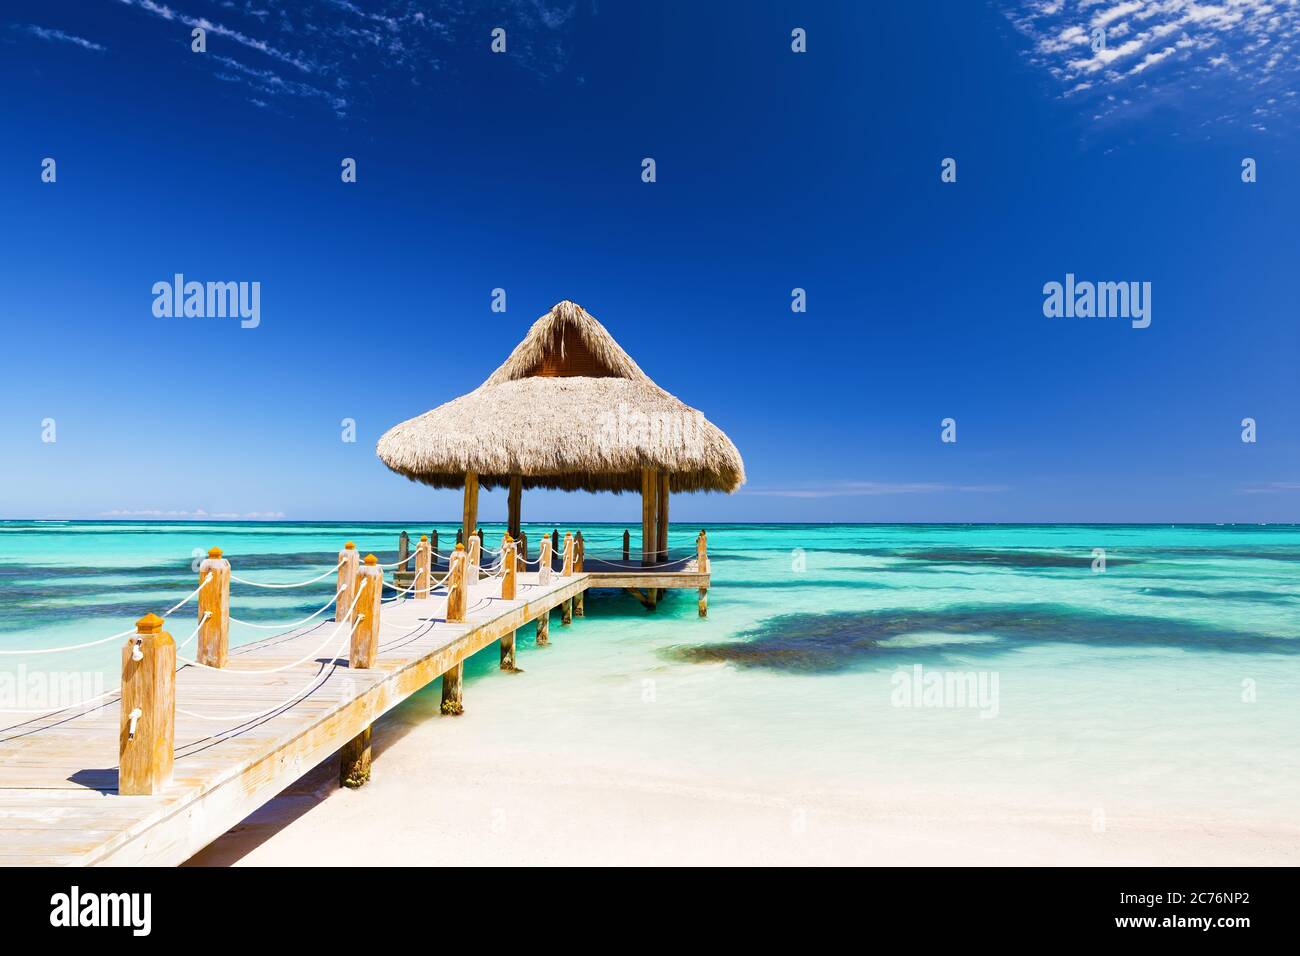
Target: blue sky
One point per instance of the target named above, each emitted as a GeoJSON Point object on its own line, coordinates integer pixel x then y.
{"type": "Point", "coordinates": [775, 170]}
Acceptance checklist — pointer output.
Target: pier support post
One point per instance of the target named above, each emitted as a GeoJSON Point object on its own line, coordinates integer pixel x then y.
{"type": "Point", "coordinates": [474, 557]}
{"type": "Point", "coordinates": [579, 556]}
{"type": "Point", "coordinates": [348, 562]}
{"type": "Point", "coordinates": [509, 568]}
{"type": "Point", "coordinates": [453, 701]}
{"type": "Point", "coordinates": [147, 731]}
{"type": "Point", "coordinates": [354, 761]}
{"type": "Point", "coordinates": [544, 629]}
{"type": "Point", "coordinates": [702, 565]}
{"type": "Point", "coordinates": [566, 612]}
{"type": "Point", "coordinates": [365, 618]}
{"type": "Point", "coordinates": [214, 601]}
{"type": "Point", "coordinates": [403, 551]}
{"type": "Point", "coordinates": [544, 562]}
{"type": "Point", "coordinates": [508, 582]}
{"type": "Point", "coordinates": [456, 586]}
{"type": "Point", "coordinates": [423, 568]}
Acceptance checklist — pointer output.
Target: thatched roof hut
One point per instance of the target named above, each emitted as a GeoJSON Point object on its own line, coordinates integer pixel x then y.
{"type": "Point", "coordinates": [568, 409]}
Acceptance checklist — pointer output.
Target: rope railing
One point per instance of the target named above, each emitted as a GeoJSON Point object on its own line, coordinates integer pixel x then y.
{"type": "Point", "coordinates": [295, 584]}
{"type": "Point", "coordinates": [302, 660]}
{"type": "Point", "coordinates": [287, 627]}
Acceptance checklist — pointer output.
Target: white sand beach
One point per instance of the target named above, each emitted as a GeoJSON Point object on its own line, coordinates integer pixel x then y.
{"type": "Point", "coordinates": [503, 785]}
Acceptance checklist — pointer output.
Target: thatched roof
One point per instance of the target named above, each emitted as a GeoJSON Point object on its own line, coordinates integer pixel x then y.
{"type": "Point", "coordinates": [568, 409]}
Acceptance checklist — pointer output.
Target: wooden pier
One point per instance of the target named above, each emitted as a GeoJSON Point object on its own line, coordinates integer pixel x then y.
{"type": "Point", "coordinates": [125, 782]}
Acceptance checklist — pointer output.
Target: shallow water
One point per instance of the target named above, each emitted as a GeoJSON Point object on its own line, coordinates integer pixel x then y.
{"type": "Point", "coordinates": [1167, 682]}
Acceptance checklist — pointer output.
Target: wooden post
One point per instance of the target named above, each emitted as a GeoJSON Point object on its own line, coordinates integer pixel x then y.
{"type": "Point", "coordinates": [513, 504]}
{"type": "Point", "coordinates": [433, 541]}
{"type": "Point", "coordinates": [403, 551]}
{"type": "Point", "coordinates": [580, 551]}
{"type": "Point", "coordinates": [423, 568]}
{"type": "Point", "coordinates": [555, 540]}
{"type": "Point", "coordinates": [460, 535]}
{"type": "Point", "coordinates": [627, 545]}
{"type": "Point", "coordinates": [649, 499]}
{"type": "Point", "coordinates": [354, 761]}
{"type": "Point", "coordinates": [702, 564]}
{"type": "Point", "coordinates": [147, 730]}
{"type": "Point", "coordinates": [522, 552]}
{"type": "Point", "coordinates": [348, 562]}
{"type": "Point", "coordinates": [509, 568]}
{"type": "Point", "coordinates": [568, 555]}
{"type": "Point", "coordinates": [365, 619]}
{"type": "Point", "coordinates": [470, 518]}
{"type": "Point", "coordinates": [453, 696]}
{"type": "Point", "coordinates": [508, 594]}
{"type": "Point", "coordinates": [661, 538]}
{"type": "Point", "coordinates": [544, 562]}
{"type": "Point", "coordinates": [544, 629]}
{"type": "Point", "coordinates": [456, 586]}
{"type": "Point", "coordinates": [214, 602]}
{"type": "Point", "coordinates": [474, 555]}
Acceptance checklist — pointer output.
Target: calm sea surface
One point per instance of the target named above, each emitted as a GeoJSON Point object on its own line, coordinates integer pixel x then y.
{"type": "Point", "coordinates": [998, 660]}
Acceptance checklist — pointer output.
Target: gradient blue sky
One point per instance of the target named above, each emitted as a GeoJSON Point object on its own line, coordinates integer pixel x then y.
{"type": "Point", "coordinates": [775, 170]}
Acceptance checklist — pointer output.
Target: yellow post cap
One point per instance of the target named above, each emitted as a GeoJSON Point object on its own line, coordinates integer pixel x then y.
{"type": "Point", "coordinates": [349, 546]}
{"type": "Point", "coordinates": [459, 546]}
{"type": "Point", "coordinates": [149, 624]}
{"type": "Point", "coordinates": [424, 537]}
{"type": "Point", "coordinates": [506, 537]}
{"type": "Point", "coordinates": [214, 552]}
{"type": "Point", "coordinates": [371, 560]}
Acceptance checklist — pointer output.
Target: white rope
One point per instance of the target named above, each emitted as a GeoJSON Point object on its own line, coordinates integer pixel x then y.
{"type": "Point", "coordinates": [202, 620]}
{"type": "Point", "coordinates": [284, 667]}
{"type": "Point", "coordinates": [70, 647]}
{"type": "Point", "coordinates": [289, 627]}
{"type": "Point", "coordinates": [185, 600]}
{"type": "Point", "coordinates": [296, 584]}
{"type": "Point", "coordinates": [244, 718]}
{"type": "Point", "coordinates": [102, 640]}
{"type": "Point", "coordinates": [55, 710]}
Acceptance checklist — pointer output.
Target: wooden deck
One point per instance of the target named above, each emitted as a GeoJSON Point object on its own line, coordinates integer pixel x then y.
{"type": "Point", "coordinates": [59, 803]}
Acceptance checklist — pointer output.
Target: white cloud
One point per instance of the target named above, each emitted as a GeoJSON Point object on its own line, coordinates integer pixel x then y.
{"type": "Point", "coordinates": [1222, 58]}
{"type": "Point", "coordinates": [58, 36]}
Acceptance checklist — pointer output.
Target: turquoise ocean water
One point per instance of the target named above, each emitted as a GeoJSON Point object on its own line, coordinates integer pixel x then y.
{"type": "Point", "coordinates": [832, 656]}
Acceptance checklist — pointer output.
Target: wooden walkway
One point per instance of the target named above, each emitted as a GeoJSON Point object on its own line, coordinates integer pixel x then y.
{"type": "Point", "coordinates": [59, 803]}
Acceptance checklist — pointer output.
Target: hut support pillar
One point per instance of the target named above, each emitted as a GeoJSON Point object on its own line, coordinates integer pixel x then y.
{"type": "Point", "coordinates": [470, 518]}
{"type": "Point", "coordinates": [515, 499]}
{"type": "Point", "coordinates": [661, 535]}
{"type": "Point", "coordinates": [649, 508]}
